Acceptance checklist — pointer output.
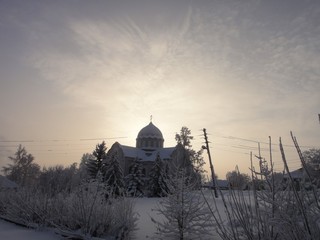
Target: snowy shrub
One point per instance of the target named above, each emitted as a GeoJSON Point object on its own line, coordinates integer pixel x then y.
{"type": "Point", "coordinates": [25, 206]}
{"type": "Point", "coordinates": [85, 211]}
{"type": "Point", "coordinates": [282, 210]}
{"type": "Point", "coordinates": [124, 219]}
{"type": "Point", "coordinates": [88, 211]}
{"type": "Point", "coordinates": [184, 210]}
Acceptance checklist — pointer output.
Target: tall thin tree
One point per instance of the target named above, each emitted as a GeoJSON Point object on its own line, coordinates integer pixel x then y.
{"type": "Point", "coordinates": [95, 165]}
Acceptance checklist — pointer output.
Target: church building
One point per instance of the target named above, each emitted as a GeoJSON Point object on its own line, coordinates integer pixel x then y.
{"type": "Point", "coordinates": [149, 145]}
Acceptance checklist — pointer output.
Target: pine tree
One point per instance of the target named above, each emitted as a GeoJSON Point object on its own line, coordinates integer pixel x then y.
{"type": "Point", "coordinates": [158, 178]}
{"type": "Point", "coordinates": [135, 179]}
{"type": "Point", "coordinates": [113, 176]}
{"type": "Point", "coordinates": [95, 164]}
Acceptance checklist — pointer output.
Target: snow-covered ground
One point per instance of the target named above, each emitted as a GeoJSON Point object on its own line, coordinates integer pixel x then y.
{"type": "Point", "coordinates": [10, 231]}
{"type": "Point", "coordinates": [145, 227]}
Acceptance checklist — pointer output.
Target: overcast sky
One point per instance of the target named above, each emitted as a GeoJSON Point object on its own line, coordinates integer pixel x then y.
{"type": "Point", "coordinates": [73, 73]}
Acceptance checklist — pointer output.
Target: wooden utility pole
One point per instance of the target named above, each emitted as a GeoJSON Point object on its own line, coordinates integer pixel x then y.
{"type": "Point", "coordinates": [211, 165]}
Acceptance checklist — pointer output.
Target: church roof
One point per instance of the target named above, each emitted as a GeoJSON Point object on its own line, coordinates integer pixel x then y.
{"type": "Point", "coordinates": [150, 131]}
{"type": "Point", "coordinates": [296, 174]}
{"type": "Point", "coordinates": [132, 152]}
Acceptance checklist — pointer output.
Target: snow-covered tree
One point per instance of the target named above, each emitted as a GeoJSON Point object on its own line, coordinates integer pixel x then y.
{"type": "Point", "coordinates": [184, 138]}
{"type": "Point", "coordinates": [95, 165]}
{"type": "Point", "coordinates": [83, 166]}
{"type": "Point", "coordinates": [135, 179]}
{"type": "Point", "coordinates": [312, 159]}
{"type": "Point", "coordinates": [181, 159]}
{"type": "Point", "coordinates": [185, 211]}
{"type": "Point", "coordinates": [158, 178]}
{"type": "Point", "coordinates": [238, 180]}
{"type": "Point", "coordinates": [22, 170]}
{"type": "Point", "coordinates": [194, 160]}
{"type": "Point", "coordinates": [113, 176]}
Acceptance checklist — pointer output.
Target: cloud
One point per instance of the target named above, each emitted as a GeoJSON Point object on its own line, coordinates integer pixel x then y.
{"type": "Point", "coordinates": [119, 60]}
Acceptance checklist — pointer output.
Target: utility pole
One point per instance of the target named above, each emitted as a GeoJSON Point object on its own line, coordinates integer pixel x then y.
{"type": "Point", "coordinates": [211, 165]}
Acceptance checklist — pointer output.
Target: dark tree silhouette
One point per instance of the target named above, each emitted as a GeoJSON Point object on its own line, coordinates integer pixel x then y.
{"type": "Point", "coordinates": [185, 138]}
{"type": "Point", "coordinates": [135, 179]}
{"type": "Point", "coordinates": [22, 170]}
{"type": "Point", "coordinates": [95, 165]}
{"type": "Point", "coordinates": [113, 176]}
{"type": "Point", "coordinates": [312, 159]}
{"type": "Point", "coordinates": [158, 178]}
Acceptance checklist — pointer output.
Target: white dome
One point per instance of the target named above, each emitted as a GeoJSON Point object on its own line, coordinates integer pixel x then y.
{"type": "Point", "coordinates": [150, 131]}
{"type": "Point", "coordinates": [150, 137]}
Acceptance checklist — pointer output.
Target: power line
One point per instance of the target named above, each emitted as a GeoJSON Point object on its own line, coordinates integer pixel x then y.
{"type": "Point", "coordinates": [256, 141]}
{"type": "Point", "coordinates": [59, 140]}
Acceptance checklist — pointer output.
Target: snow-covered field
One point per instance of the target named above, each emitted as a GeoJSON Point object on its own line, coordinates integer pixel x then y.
{"type": "Point", "coordinates": [10, 231]}
{"type": "Point", "coordinates": [145, 227]}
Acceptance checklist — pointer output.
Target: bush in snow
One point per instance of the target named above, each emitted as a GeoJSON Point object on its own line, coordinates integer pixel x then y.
{"type": "Point", "coordinates": [85, 211]}
{"type": "Point", "coordinates": [91, 213]}
{"type": "Point", "coordinates": [281, 211]}
{"type": "Point", "coordinates": [184, 210]}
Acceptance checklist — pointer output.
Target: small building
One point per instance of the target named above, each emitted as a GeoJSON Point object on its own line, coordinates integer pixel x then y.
{"type": "Point", "coordinates": [221, 183]}
{"type": "Point", "coordinates": [296, 175]}
{"type": "Point", "coordinates": [299, 179]}
{"type": "Point", "coordinates": [6, 184]}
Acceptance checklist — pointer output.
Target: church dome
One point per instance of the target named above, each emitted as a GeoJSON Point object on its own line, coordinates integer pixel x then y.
{"type": "Point", "coordinates": [150, 131]}
{"type": "Point", "coordinates": [149, 137]}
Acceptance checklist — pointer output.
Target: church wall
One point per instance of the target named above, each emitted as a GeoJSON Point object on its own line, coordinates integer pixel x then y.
{"type": "Point", "coordinates": [149, 143]}
{"type": "Point", "coordinates": [128, 162]}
